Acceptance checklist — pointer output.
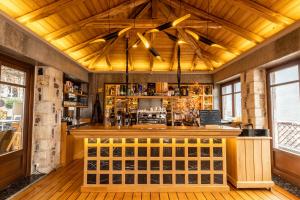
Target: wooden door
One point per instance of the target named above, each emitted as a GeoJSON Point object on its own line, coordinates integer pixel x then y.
{"type": "Point", "coordinates": [284, 120]}
{"type": "Point", "coordinates": [16, 100]}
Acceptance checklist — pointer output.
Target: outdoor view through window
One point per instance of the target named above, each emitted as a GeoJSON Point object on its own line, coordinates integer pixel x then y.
{"type": "Point", "coordinates": [12, 96]}
{"type": "Point", "coordinates": [285, 108]}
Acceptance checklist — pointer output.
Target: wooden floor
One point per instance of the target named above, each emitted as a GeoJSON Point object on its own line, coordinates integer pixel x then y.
{"type": "Point", "coordinates": [65, 184]}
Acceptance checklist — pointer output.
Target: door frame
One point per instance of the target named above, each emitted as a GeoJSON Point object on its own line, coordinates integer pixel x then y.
{"type": "Point", "coordinates": [25, 153]}
{"type": "Point", "coordinates": [279, 156]}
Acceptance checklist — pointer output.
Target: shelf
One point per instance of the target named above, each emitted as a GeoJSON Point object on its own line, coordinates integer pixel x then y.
{"type": "Point", "coordinates": [144, 97]}
{"type": "Point", "coordinates": [76, 94]}
{"type": "Point", "coordinates": [76, 106]}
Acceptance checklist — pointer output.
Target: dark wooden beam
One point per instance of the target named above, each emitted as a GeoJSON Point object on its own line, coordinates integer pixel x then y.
{"type": "Point", "coordinates": [226, 24]}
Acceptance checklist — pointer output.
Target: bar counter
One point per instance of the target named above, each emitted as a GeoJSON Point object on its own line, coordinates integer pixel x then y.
{"type": "Point", "coordinates": [166, 159]}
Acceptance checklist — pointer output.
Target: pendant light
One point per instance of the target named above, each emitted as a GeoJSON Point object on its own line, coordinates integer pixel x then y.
{"type": "Point", "coordinates": [179, 69]}
{"type": "Point", "coordinates": [112, 35]}
{"type": "Point", "coordinates": [147, 45]}
{"type": "Point", "coordinates": [203, 39]}
{"type": "Point", "coordinates": [169, 24]}
{"type": "Point", "coordinates": [174, 38]}
{"type": "Point", "coordinates": [127, 72]}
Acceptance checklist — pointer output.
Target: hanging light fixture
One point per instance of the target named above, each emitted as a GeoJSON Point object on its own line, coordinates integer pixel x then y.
{"type": "Point", "coordinates": [127, 73]}
{"type": "Point", "coordinates": [179, 69]}
{"type": "Point", "coordinates": [169, 24]}
{"type": "Point", "coordinates": [147, 45]}
{"type": "Point", "coordinates": [174, 38]}
{"type": "Point", "coordinates": [112, 35]}
{"type": "Point", "coordinates": [203, 39]}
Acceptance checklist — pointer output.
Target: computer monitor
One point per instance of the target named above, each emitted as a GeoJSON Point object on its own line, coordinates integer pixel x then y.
{"type": "Point", "coordinates": [210, 117]}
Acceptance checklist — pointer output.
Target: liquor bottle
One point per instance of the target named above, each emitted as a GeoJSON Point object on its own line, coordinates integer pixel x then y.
{"type": "Point", "coordinates": [127, 119]}
{"type": "Point", "coordinates": [112, 117]}
{"type": "Point", "coordinates": [119, 118]}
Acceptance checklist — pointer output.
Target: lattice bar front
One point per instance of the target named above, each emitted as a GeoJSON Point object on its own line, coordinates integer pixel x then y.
{"type": "Point", "coordinates": [163, 164]}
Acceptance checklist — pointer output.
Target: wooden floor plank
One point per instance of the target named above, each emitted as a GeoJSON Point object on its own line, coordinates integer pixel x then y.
{"type": "Point", "coordinates": [83, 196]}
{"type": "Point", "coordinates": [235, 195]}
{"type": "Point", "coordinates": [278, 194]}
{"type": "Point", "coordinates": [92, 196]}
{"type": "Point", "coordinates": [253, 195]}
{"type": "Point", "coordinates": [285, 193]}
{"type": "Point", "coordinates": [128, 196]}
{"type": "Point", "coordinates": [209, 196]}
{"type": "Point", "coordinates": [164, 196]}
{"type": "Point", "coordinates": [173, 196]}
{"type": "Point", "coordinates": [110, 196]}
{"type": "Point", "coordinates": [182, 196]}
{"type": "Point", "coordinates": [244, 195]}
{"type": "Point", "coordinates": [154, 196]}
{"type": "Point", "coordinates": [137, 196]}
{"type": "Point", "coordinates": [65, 183]}
{"type": "Point", "coordinates": [63, 189]}
{"type": "Point", "coordinates": [35, 188]}
{"type": "Point", "coordinates": [217, 196]}
{"type": "Point", "coordinates": [101, 196]}
{"type": "Point", "coordinates": [227, 196]}
{"type": "Point", "coordinates": [146, 196]}
{"type": "Point", "coordinates": [119, 196]}
{"type": "Point", "coordinates": [190, 196]}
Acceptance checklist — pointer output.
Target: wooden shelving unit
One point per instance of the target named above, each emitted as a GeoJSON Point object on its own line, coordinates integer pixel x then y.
{"type": "Point", "coordinates": [199, 97]}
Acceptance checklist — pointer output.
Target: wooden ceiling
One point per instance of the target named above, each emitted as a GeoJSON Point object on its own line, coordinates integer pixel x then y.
{"type": "Point", "coordinates": [72, 25]}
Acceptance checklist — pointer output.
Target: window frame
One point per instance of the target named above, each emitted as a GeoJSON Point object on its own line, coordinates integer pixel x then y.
{"type": "Point", "coordinates": [279, 156]}
{"type": "Point", "coordinates": [232, 83]}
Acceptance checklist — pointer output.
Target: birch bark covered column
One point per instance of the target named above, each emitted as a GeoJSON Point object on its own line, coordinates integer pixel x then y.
{"type": "Point", "coordinates": [254, 98]}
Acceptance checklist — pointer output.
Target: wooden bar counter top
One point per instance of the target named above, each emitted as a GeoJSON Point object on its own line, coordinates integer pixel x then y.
{"type": "Point", "coordinates": [95, 131]}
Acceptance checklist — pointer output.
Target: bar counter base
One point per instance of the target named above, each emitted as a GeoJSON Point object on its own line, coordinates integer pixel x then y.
{"type": "Point", "coordinates": [147, 188]}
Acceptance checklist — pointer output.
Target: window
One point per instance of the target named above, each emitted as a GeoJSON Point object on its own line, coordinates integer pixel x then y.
{"type": "Point", "coordinates": [231, 100]}
{"type": "Point", "coordinates": [12, 98]}
{"type": "Point", "coordinates": [284, 95]}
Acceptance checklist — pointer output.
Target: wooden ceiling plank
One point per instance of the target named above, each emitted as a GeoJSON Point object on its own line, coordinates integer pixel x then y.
{"type": "Point", "coordinates": [226, 24]}
{"type": "Point", "coordinates": [77, 26]}
{"type": "Point", "coordinates": [262, 11]}
{"type": "Point", "coordinates": [103, 52]}
{"type": "Point", "coordinates": [205, 56]}
{"type": "Point", "coordinates": [47, 10]}
{"type": "Point", "coordinates": [154, 9]}
{"type": "Point", "coordinates": [82, 45]}
{"type": "Point", "coordinates": [139, 12]}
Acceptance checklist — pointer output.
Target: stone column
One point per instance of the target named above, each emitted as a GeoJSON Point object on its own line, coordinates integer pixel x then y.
{"type": "Point", "coordinates": [254, 110]}
{"type": "Point", "coordinates": [47, 119]}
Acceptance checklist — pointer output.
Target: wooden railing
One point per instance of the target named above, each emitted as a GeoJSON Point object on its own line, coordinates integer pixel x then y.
{"type": "Point", "coordinates": [289, 136]}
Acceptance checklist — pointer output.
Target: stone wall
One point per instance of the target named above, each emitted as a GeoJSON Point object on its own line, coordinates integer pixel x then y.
{"type": "Point", "coordinates": [254, 97]}
{"type": "Point", "coordinates": [47, 119]}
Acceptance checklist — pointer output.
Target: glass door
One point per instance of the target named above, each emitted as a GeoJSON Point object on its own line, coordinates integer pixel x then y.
{"type": "Point", "coordinates": [12, 99]}
{"type": "Point", "coordinates": [284, 96]}
{"type": "Point", "coordinates": [16, 99]}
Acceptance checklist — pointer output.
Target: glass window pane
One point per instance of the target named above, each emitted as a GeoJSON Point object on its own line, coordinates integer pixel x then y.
{"type": "Point", "coordinates": [11, 75]}
{"type": "Point", "coordinates": [227, 89]}
{"type": "Point", "coordinates": [238, 106]}
{"type": "Point", "coordinates": [11, 118]}
{"type": "Point", "coordinates": [237, 87]}
{"type": "Point", "coordinates": [227, 107]}
{"type": "Point", "coordinates": [284, 75]}
{"type": "Point", "coordinates": [285, 107]}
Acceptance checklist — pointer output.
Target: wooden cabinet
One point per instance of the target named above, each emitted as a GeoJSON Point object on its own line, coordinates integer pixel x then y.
{"type": "Point", "coordinates": [249, 162]}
